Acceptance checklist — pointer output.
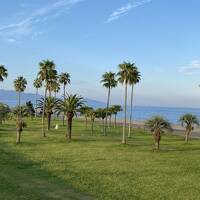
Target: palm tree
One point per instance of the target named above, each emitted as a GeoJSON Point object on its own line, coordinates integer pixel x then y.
{"type": "Point", "coordinates": [46, 74]}
{"type": "Point", "coordinates": [92, 114]}
{"type": "Point", "coordinates": [189, 121]}
{"type": "Point", "coordinates": [55, 89]}
{"type": "Point", "coordinates": [133, 80]}
{"type": "Point", "coordinates": [37, 84]}
{"type": "Point", "coordinates": [50, 104]}
{"type": "Point", "coordinates": [109, 114]}
{"type": "Point", "coordinates": [116, 109]}
{"type": "Point", "coordinates": [19, 112]}
{"type": "Point", "coordinates": [123, 78]}
{"type": "Point", "coordinates": [20, 85]}
{"type": "Point", "coordinates": [70, 106]}
{"type": "Point", "coordinates": [109, 82]}
{"type": "Point", "coordinates": [3, 73]}
{"type": "Point", "coordinates": [64, 79]}
{"type": "Point", "coordinates": [4, 112]}
{"type": "Point", "coordinates": [157, 126]}
{"type": "Point", "coordinates": [84, 110]}
{"type": "Point", "coordinates": [101, 113]}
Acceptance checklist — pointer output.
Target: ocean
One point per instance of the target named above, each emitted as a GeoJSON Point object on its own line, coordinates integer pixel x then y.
{"type": "Point", "coordinates": [141, 113]}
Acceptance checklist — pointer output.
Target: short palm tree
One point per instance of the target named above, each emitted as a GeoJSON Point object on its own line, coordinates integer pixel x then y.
{"type": "Point", "coordinates": [3, 73]}
{"type": "Point", "coordinates": [20, 85]}
{"type": "Point", "coordinates": [133, 80]}
{"type": "Point", "coordinates": [47, 73]}
{"type": "Point", "coordinates": [101, 114]}
{"type": "Point", "coordinates": [189, 121]}
{"type": "Point", "coordinates": [4, 112]}
{"type": "Point", "coordinates": [50, 105]}
{"type": "Point", "coordinates": [37, 84]}
{"type": "Point", "coordinates": [109, 82]}
{"type": "Point", "coordinates": [158, 125]}
{"type": "Point", "coordinates": [123, 78]}
{"type": "Point", "coordinates": [85, 110]}
{"type": "Point", "coordinates": [116, 109]}
{"type": "Point", "coordinates": [70, 106]}
{"type": "Point", "coordinates": [92, 114]}
{"type": "Point", "coordinates": [19, 112]}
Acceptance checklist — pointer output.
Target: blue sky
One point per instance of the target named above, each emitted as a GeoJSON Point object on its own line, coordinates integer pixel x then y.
{"type": "Point", "coordinates": [89, 37]}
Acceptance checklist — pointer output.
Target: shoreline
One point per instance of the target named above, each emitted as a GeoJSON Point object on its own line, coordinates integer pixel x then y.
{"type": "Point", "coordinates": [177, 129]}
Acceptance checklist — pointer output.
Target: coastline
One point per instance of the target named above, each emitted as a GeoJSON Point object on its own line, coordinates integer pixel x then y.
{"type": "Point", "coordinates": [177, 129]}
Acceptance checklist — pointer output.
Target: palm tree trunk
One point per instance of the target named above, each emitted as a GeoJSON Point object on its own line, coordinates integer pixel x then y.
{"type": "Point", "coordinates": [130, 122]}
{"type": "Point", "coordinates": [157, 141]}
{"type": "Point", "coordinates": [92, 126]}
{"type": "Point", "coordinates": [86, 122]}
{"type": "Point", "coordinates": [124, 126]}
{"type": "Point", "coordinates": [69, 128]}
{"type": "Point", "coordinates": [187, 136]}
{"type": "Point", "coordinates": [36, 98]}
{"type": "Point", "coordinates": [64, 95]}
{"type": "Point", "coordinates": [19, 98]}
{"type": "Point", "coordinates": [43, 114]}
{"type": "Point", "coordinates": [106, 121]}
{"type": "Point", "coordinates": [48, 122]}
{"type": "Point", "coordinates": [54, 113]}
{"type": "Point", "coordinates": [110, 119]}
{"type": "Point", "coordinates": [115, 121]}
{"type": "Point", "coordinates": [18, 140]}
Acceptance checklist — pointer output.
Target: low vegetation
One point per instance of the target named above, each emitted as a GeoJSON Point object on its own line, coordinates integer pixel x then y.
{"type": "Point", "coordinates": [95, 166]}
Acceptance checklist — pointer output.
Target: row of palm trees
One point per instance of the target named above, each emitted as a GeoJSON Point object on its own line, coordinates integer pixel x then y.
{"type": "Point", "coordinates": [158, 125]}
{"type": "Point", "coordinates": [128, 74]}
{"type": "Point", "coordinates": [69, 105]}
{"type": "Point", "coordinates": [100, 113]}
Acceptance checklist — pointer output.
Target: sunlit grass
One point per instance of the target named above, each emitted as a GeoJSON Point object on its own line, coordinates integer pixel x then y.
{"type": "Point", "coordinates": [96, 165]}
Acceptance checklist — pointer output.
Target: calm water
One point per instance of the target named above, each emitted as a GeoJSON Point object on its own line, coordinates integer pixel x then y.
{"type": "Point", "coordinates": [172, 114]}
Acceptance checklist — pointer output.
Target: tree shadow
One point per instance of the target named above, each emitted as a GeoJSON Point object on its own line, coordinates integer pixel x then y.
{"type": "Point", "coordinates": [24, 179]}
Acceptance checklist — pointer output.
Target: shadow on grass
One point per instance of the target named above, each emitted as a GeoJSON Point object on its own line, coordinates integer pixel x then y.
{"type": "Point", "coordinates": [23, 179]}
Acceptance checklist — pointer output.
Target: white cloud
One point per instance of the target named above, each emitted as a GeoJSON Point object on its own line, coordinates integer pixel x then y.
{"type": "Point", "coordinates": [11, 40]}
{"type": "Point", "coordinates": [192, 68]}
{"type": "Point", "coordinates": [28, 25]}
{"type": "Point", "coordinates": [124, 10]}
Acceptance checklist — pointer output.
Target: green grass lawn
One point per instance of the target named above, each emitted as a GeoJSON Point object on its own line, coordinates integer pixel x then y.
{"type": "Point", "coordinates": [96, 167]}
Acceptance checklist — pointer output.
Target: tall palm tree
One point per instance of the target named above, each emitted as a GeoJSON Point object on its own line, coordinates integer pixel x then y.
{"type": "Point", "coordinates": [189, 121]}
{"type": "Point", "coordinates": [70, 106]}
{"type": "Point", "coordinates": [55, 89]}
{"type": "Point", "coordinates": [109, 82]}
{"type": "Point", "coordinates": [116, 109]}
{"type": "Point", "coordinates": [3, 73]}
{"type": "Point", "coordinates": [123, 78]}
{"type": "Point", "coordinates": [50, 105]}
{"type": "Point", "coordinates": [37, 84]}
{"type": "Point", "coordinates": [64, 79]}
{"type": "Point", "coordinates": [47, 73]}
{"type": "Point", "coordinates": [133, 80]}
{"type": "Point", "coordinates": [157, 126]}
{"type": "Point", "coordinates": [20, 85]}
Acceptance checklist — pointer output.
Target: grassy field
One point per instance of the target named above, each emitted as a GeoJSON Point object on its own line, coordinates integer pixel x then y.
{"type": "Point", "coordinates": [96, 167]}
